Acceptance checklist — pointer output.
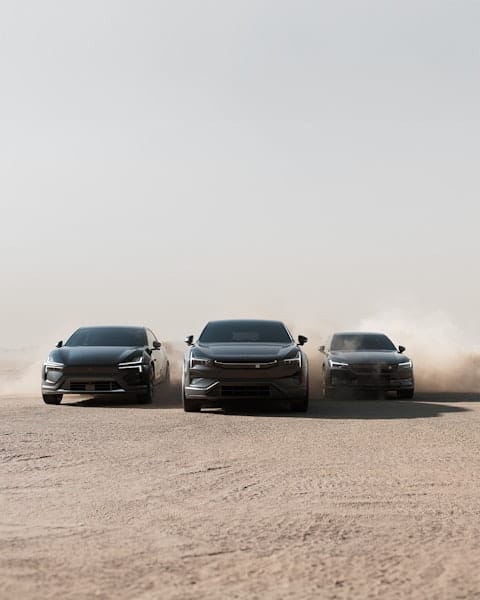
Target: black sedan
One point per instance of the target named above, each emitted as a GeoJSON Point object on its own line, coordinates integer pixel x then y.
{"type": "Point", "coordinates": [366, 361]}
{"type": "Point", "coordinates": [105, 360]}
{"type": "Point", "coordinates": [244, 359]}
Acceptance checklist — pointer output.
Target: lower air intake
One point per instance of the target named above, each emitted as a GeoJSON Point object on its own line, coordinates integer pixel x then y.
{"type": "Point", "coordinates": [244, 391]}
{"type": "Point", "coordinates": [94, 386]}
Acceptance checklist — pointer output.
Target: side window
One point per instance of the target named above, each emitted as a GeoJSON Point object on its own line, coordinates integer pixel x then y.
{"type": "Point", "coordinates": [150, 338]}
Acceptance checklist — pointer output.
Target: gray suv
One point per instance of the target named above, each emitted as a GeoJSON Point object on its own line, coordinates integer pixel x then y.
{"type": "Point", "coordinates": [365, 361]}
{"type": "Point", "coordinates": [244, 359]}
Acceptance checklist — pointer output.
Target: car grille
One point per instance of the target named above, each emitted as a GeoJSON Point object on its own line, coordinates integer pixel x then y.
{"type": "Point", "coordinates": [244, 391]}
{"type": "Point", "coordinates": [373, 368]}
{"type": "Point", "coordinates": [245, 365]}
{"type": "Point", "coordinates": [94, 386]}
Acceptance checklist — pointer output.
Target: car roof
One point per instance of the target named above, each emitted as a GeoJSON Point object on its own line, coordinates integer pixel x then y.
{"type": "Point", "coordinates": [359, 333]}
{"type": "Point", "coordinates": [112, 327]}
{"type": "Point", "coordinates": [247, 321]}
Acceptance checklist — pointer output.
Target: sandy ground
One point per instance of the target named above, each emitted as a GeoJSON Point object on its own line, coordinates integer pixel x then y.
{"type": "Point", "coordinates": [356, 499]}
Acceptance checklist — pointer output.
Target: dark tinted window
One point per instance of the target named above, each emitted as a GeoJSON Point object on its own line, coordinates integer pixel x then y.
{"type": "Point", "coordinates": [245, 331]}
{"type": "Point", "coordinates": [108, 336]}
{"type": "Point", "coordinates": [350, 342]}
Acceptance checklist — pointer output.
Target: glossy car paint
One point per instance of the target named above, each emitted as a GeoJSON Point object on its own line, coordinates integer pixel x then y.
{"type": "Point", "coordinates": [96, 370]}
{"type": "Point", "coordinates": [366, 369]}
{"type": "Point", "coordinates": [255, 370]}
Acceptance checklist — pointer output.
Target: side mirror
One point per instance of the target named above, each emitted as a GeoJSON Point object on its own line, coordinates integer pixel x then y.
{"type": "Point", "coordinates": [302, 340]}
{"type": "Point", "coordinates": [157, 345]}
{"type": "Point", "coordinates": [189, 340]}
{"type": "Point", "coordinates": [321, 349]}
{"type": "Point", "coordinates": [59, 344]}
{"type": "Point", "coordinates": [401, 349]}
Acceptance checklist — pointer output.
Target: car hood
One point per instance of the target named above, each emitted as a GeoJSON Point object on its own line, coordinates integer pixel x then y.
{"type": "Point", "coordinates": [369, 356]}
{"type": "Point", "coordinates": [256, 352]}
{"type": "Point", "coordinates": [93, 355]}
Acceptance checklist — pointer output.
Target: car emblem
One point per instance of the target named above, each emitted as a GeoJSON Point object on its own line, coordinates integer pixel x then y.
{"type": "Point", "coordinates": [257, 366]}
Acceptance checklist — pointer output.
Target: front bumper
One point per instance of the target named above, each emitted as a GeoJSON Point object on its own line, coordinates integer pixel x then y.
{"type": "Point", "coordinates": [384, 381]}
{"type": "Point", "coordinates": [93, 380]}
{"type": "Point", "coordinates": [219, 385]}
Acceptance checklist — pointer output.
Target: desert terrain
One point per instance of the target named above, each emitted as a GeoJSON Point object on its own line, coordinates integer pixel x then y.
{"type": "Point", "coordinates": [368, 498]}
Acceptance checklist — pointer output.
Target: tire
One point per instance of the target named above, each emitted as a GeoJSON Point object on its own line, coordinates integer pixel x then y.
{"type": "Point", "coordinates": [190, 405]}
{"type": "Point", "coordinates": [52, 398]}
{"type": "Point", "coordinates": [328, 392]}
{"type": "Point", "coordinates": [300, 404]}
{"type": "Point", "coordinates": [147, 397]}
{"type": "Point", "coordinates": [406, 394]}
{"type": "Point", "coordinates": [166, 381]}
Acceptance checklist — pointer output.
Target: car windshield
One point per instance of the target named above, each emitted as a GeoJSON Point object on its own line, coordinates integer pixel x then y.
{"type": "Point", "coordinates": [108, 336]}
{"type": "Point", "coordinates": [218, 332]}
{"type": "Point", "coordinates": [353, 342]}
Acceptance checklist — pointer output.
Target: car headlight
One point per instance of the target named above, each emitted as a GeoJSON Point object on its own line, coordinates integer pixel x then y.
{"type": "Point", "coordinates": [405, 365]}
{"type": "Point", "coordinates": [51, 365]}
{"type": "Point", "coordinates": [199, 361]}
{"type": "Point", "coordinates": [296, 361]}
{"type": "Point", "coordinates": [336, 364]}
{"type": "Point", "coordinates": [52, 370]}
{"type": "Point", "coordinates": [135, 363]}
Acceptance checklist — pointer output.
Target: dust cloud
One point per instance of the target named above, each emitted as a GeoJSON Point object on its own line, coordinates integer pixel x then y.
{"type": "Point", "coordinates": [445, 359]}
{"type": "Point", "coordinates": [20, 373]}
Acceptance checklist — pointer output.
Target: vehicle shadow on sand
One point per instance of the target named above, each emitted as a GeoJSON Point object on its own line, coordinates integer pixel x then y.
{"type": "Point", "coordinates": [164, 398]}
{"type": "Point", "coordinates": [422, 407]}
{"type": "Point", "coordinates": [380, 409]}
{"type": "Point", "coordinates": [450, 397]}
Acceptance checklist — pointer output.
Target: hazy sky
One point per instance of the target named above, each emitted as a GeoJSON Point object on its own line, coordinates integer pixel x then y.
{"type": "Point", "coordinates": [171, 162]}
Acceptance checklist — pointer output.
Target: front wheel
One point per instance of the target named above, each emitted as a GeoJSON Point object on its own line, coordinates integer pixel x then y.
{"type": "Point", "coordinates": [52, 398]}
{"type": "Point", "coordinates": [190, 405]}
{"type": "Point", "coordinates": [300, 404]}
{"type": "Point", "coordinates": [328, 392]}
{"type": "Point", "coordinates": [166, 381]}
{"type": "Point", "coordinates": [147, 397]}
{"type": "Point", "coordinates": [406, 394]}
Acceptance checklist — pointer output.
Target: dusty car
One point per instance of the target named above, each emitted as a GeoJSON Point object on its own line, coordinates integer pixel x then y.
{"type": "Point", "coordinates": [105, 360]}
{"type": "Point", "coordinates": [365, 361]}
{"type": "Point", "coordinates": [244, 359]}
